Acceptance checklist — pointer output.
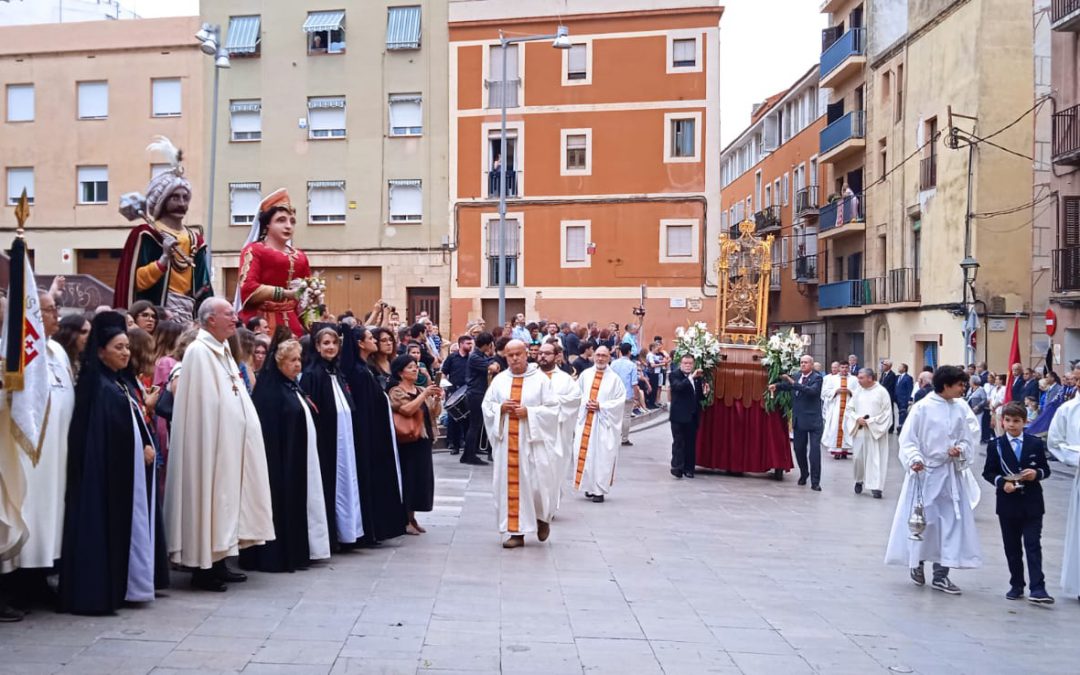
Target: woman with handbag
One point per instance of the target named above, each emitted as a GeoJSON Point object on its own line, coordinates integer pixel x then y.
{"type": "Point", "coordinates": [414, 409]}
{"type": "Point", "coordinates": [337, 436]}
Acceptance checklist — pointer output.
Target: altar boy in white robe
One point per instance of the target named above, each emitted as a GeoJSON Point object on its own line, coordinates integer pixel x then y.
{"type": "Point", "coordinates": [521, 419]}
{"type": "Point", "coordinates": [1063, 441]}
{"type": "Point", "coordinates": [938, 442]}
{"type": "Point", "coordinates": [599, 427]}
{"type": "Point", "coordinates": [866, 422]}
{"type": "Point", "coordinates": [568, 398]}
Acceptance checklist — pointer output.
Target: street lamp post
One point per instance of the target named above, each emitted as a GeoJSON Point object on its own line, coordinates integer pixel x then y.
{"type": "Point", "coordinates": [560, 40]}
{"type": "Point", "coordinates": [210, 36]}
{"type": "Point", "coordinates": [970, 267]}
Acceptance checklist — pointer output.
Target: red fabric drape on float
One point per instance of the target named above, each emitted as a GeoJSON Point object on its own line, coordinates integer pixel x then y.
{"type": "Point", "coordinates": [740, 438]}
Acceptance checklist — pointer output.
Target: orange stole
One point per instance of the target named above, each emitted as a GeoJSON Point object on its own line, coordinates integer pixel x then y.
{"type": "Point", "coordinates": [587, 431]}
{"type": "Point", "coordinates": [513, 463]}
{"type": "Point", "coordinates": [843, 407]}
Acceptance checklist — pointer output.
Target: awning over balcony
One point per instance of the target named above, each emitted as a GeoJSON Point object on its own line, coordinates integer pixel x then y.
{"type": "Point", "coordinates": [403, 28]}
{"type": "Point", "coordinates": [320, 21]}
{"type": "Point", "coordinates": [243, 37]}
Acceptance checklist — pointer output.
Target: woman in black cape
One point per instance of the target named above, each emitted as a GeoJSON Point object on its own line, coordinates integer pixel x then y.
{"type": "Point", "coordinates": [113, 550]}
{"type": "Point", "coordinates": [292, 460]}
{"type": "Point", "coordinates": [377, 457]}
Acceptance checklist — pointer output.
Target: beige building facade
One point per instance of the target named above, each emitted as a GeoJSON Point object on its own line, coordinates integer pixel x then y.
{"type": "Point", "coordinates": [346, 109]}
{"type": "Point", "coordinates": [965, 64]}
{"type": "Point", "coordinates": [81, 101]}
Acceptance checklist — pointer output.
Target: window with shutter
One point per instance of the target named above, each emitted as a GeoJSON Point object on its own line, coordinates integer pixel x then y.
{"type": "Point", "coordinates": [93, 184]}
{"type": "Point", "coordinates": [1070, 222]}
{"type": "Point", "coordinates": [684, 53]}
{"type": "Point", "coordinates": [680, 241]}
{"type": "Point", "coordinates": [577, 62]}
{"type": "Point", "coordinates": [406, 115]}
{"type": "Point", "coordinates": [326, 201]}
{"type": "Point", "coordinates": [683, 138]}
{"type": "Point", "coordinates": [93, 100]}
{"type": "Point", "coordinates": [512, 251]}
{"type": "Point", "coordinates": [165, 93]}
{"type": "Point", "coordinates": [244, 201]}
{"type": "Point", "coordinates": [406, 201]}
{"type": "Point", "coordinates": [245, 120]}
{"type": "Point", "coordinates": [20, 103]}
{"type": "Point", "coordinates": [575, 243]}
{"type": "Point", "coordinates": [576, 152]}
{"type": "Point", "coordinates": [19, 179]}
{"type": "Point", "coordinates": [326, 117]}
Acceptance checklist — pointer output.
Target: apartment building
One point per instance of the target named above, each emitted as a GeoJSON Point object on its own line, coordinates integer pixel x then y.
{"type": "Point", "coordinates": [345, 106]}
{"type": "Point", "coordinates": [941, 77]}
{"type": "Point", "coordinates": [1064, 18]}
{"type": "Point", "coordinates": [81, 102]}
{"type": "Point", "coordinates": [612, 160]}
{"type": "Point", "coordinates": [769, 174]}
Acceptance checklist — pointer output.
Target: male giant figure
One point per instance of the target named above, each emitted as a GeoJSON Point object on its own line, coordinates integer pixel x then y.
{"type": "Point", "coordinates": [217, 490]}
{"type": "Point", "coordinates": [521, 418]}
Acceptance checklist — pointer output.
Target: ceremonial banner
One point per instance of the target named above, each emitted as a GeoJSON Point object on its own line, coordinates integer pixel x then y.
{"type": "Point", "coordinates": [1014, 358]}
{"type": "Point", "coordinates": [25, 369]}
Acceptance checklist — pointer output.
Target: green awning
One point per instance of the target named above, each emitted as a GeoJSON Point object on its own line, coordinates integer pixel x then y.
{"type": "Point", "coordinates": [243, 37]}
{"type": "Point", "coordinates": [320, 21]}
{"type": "Point", "coordinates": [403, 28]}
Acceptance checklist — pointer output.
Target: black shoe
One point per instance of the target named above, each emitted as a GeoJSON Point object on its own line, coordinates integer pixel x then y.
{"type": "Point", "coordinates": [918, 576]}
{"type": "Point", "coordinates": [802, 480]}
{"type": "Point", "coordinates": [858, 488]}
{"type": "Point", "coordinates": [1015, 594]}
{"type": "Point", "coordinates": [476, 461]}
{"type": "Point", "coordinates": [589, 495]}
{"type": "Point", "coordinates": [676, 473]}
{"type": "Point", "coordinates": [10, 614]}
{"type": "Point", "coordinates": [455, 451]}
{"type": "Point", "coordinates": [876, 493]}
{"type": "Point", "coordinates": [627, 443]}
{"type": "Point", "coordinates": [206, 580]}
{"type": "Point", "coordinates": [223, 573]}
{"type": "Point", "coordinates": [689, 474]}
{"type": "Point", "coordinates": [598, 499]}
{"type": "Point", "coordinates": [815, 488]}
{"type": "Point", "coordinates": [1040, 597]}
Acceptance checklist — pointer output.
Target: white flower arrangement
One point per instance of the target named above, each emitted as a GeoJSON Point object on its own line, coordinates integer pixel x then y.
{"type": "Point", "coordinates": [310, 296]}
{"type": "Point", "coordinates": [782, 354]}
{"type": "Point", "coordinates": [695, 340]}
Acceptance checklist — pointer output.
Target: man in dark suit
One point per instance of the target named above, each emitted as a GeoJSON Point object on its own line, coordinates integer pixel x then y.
{"type": "Point", "coordinates": [687, 393]}
{"type": "Point", "coordinates": [888, 381]}
{"type": "Point", "coordinates": [905, 387]}
{"type": "Point", "coordinates": [481, 363]}
{"type": "Point", "coordinates": [806, 415]}
{"type": "Point", "coordinates": [1031, 385]}
{"type": "Point", "coordinates": [456, 369]}
{"type": "Point", "coordinates": [1017, 383]}
{"type": "Point", "coordinates": [1020, 505]}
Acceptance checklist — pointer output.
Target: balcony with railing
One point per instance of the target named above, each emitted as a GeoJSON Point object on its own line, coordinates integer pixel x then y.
{"type": "Point", "coordinates": [499, 91]}
{"type": "Point", "coordinates": [842, 57]}
{"type": "Point", "coordinates": [1065, 15]}
{"type": "Point", "coordinates": [903, 286]}
{"type": "Point", "coordinates": [843, 137]}
{"type": "Point", "coordinates": [493, 178]}
{"type": "Point", "coordinates": [511, 267]}
{"type": "Point", "coordinates": [842, 294]}
{"type": "Point", "coordinates": [806, 269]}
{"type": "Point", "coordinates": [842, 216]}
{"type": "Point", "coordinates": [1067, 270]}
{"type": "Point", "coordinates": [806, 201]}
{"type": "Point", "coordinates": [1066, 135]}
{"type": "Point", "coordinates": [767, 220]}
{"type": "Point", "coordinates": [928, 172]}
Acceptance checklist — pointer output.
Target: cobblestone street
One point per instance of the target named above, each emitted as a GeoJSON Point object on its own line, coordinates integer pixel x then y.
{"type": "Point", "coordinates": [718, 574]}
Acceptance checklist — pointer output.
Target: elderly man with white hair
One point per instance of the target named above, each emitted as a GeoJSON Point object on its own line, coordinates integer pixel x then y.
{"type": "Point", "coordinates": [217, 491]}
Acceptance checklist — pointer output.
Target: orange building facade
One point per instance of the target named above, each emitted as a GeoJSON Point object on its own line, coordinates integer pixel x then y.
{"type": "Point", "coordinates": [612, 161]}
{"type": "Point", "coordinates": [770, 175]}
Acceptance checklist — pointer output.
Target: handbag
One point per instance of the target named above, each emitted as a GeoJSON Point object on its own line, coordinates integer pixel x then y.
{"type": "Point", "coordinates": [409, 428]}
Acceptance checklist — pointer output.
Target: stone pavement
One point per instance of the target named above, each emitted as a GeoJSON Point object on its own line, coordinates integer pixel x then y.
{"type": "Point", "coordinates": [713, 575]}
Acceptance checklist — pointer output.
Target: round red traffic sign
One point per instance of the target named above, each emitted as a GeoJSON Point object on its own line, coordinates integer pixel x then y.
{"type": "Point", "coordinates": [1051, 322]}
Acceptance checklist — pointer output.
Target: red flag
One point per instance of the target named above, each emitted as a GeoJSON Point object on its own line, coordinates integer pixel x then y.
{"type": "Point", "coordinates": [1014, 358]}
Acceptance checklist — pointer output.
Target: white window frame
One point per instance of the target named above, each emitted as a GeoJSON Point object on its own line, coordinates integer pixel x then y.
{"type": "Point", "coordinates": [518, 129]}
{"type": "Point", "coordinates": [251, 138]}
{"type": "Point", "coordinates": [13, 88]}
{"type": "Point", "coordinates": [78, 99]}
{"type": "Point", "coordinates": [13, 195]}
{"type": "Point", "coordinates": [486, 220]}
{"type": "Point", "coordinates": [486, 58]}
{"type": "Point", "coordinates": [79, 185]}
{"type": "Point", "coordinates": [154, 82]}
{"type": "Point", "coordinates": [331, 135]}
{"type": "Point", "coordinates": [245, 218]}
{"type": "Point", "coordinates": [698, 66]}
{"type": "Point", "coordinates": [331, 218]}
{"type": "Point", "coordinates": [574, 264]}
{"type": "Point", "coordinates": [566, 81]}
{"type": "Point", "coordinates": [408, 131]}
{"type": "Point", "coordinates": [785, 188]}
{"type": "Point", "coordinates": [407, 218]}
{"type": "Point", "coordinates": [695, 232]}
{"type": "Point", "coordinates": [669, 119]}
{"type": "Point", "coordinates": [564, 169]}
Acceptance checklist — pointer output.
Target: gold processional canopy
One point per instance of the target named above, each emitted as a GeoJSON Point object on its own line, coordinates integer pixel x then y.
{"type": "Point", "coordinates": [742, 312]}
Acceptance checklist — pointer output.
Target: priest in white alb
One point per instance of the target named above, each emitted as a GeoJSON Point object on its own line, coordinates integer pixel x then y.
{"type": "Point", "coordinates": [521, 419]}
{"type": "Point", "coordinates": [939, 440]}
{"type": "Point", "coordinates": [836, 391]}
{"type": "Point", "coordinates": [217, 491]}
{"type": "Point", "coordinates": [1063, 441]}
{"type": "Point", "coordinates": [867, 418]}
{"type": "Point", "coordinates": [568, 398]}
{"type": "Point", "coordinates": [599, 427]}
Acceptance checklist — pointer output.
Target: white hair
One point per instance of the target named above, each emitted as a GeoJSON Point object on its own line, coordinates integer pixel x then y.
{"type": "Point", "coordinates": [206, 310]}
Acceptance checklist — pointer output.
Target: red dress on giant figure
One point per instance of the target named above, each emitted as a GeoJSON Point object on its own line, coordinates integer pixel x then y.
{"type": "Point", "coordinates": [261, 265]}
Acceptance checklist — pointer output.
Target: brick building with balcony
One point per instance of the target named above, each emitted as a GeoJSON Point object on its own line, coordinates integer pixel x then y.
{"type": "Point", "coordinates": [611, 160]}
{"type": "Point", "coordinates": [770, 175]}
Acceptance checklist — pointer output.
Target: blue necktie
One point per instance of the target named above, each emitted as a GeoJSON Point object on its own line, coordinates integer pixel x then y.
{"type": "Point", "coordinates": [1017, 448]}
